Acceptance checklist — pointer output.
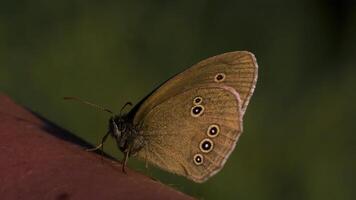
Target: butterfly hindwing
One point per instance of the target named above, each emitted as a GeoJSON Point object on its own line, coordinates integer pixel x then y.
{"type": "Point", "coordinates": [174, 134]}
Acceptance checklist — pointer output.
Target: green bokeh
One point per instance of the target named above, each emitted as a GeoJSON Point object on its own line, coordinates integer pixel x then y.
{"type": "Point", "coordinates": [299, 138]}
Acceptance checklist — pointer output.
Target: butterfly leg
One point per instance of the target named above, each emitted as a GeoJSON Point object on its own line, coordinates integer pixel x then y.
{"type": "Point", "coordinates": [101, 145]}
{"type": "Point", "coordinates": [124, 162]}
{"type": "Point", "coordinates": [146, 160]}
{"type": "Point", "coordinates": [123, 107]}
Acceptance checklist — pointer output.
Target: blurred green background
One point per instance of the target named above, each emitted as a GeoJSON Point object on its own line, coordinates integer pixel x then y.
{"type": "Point", "coordinates": [299, 132]}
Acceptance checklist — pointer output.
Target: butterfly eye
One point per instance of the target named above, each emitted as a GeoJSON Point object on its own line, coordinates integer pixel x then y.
{"type": "Point", "coordinates": [198, 159]}
{"type": "Point", "coordinates": [197, 110]}
{"type": "Point", "coordinates": [220, 77]}
{"type": "Point", "coordinates": [206, 145]}
{"type": "Point", "coordinates": [197, 100]}
{"type": "Point", "coordinates": [213, 130]}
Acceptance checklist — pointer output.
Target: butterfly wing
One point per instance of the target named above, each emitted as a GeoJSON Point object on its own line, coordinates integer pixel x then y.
{"type": "Point", "coordinates": [239, 69]}
{"type": "Point", "coordinates": [174, 138]}
{"type": "Point", "coordinates": [179, 140]}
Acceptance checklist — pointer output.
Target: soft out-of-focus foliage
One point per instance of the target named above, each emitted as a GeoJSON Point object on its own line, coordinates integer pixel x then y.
{"type": "Point", "coordinates": [299, 138]}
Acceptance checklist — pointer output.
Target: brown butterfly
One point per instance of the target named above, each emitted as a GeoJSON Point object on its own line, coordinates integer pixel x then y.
{"type": "Point", "coordinates": [190, 124]}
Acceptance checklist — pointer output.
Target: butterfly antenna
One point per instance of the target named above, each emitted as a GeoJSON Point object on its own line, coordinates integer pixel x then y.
{"type": "Point", "coordinates": [88, 103]}
{"type": "Point", "coordinates": [123, 107]}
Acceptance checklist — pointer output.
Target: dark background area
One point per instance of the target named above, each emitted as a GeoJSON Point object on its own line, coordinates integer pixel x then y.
{"type": "Point", "coordinates": [299, 132]}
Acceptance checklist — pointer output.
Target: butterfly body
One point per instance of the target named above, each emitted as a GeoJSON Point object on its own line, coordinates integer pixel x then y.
{"type": "Point", "coordinates": [190, 124]}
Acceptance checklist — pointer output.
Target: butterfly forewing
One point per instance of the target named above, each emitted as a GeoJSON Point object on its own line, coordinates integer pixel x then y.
{"type": "Point", "coordinates": [238, 70]}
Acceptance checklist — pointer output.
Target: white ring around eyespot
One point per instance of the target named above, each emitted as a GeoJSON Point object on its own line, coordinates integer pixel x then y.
{"type": "Point", "coordinates": [197, 115]}
{"type": "Point", "coordinates": [206, 140]}
{"type": "Point", "coordinates": [221, 80]}
{"type": "Point", "coordinates": [210, 127]}
{"type": "Point", "coordinates": [201, 157]}
{"type": "Point", "coordinates": [198, 97]}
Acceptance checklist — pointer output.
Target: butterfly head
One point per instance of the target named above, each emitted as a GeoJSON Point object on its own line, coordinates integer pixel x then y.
{"type": "Point", "coordinates": [117, 129]}
{"type": "Point", "coordinates": [127, 136]}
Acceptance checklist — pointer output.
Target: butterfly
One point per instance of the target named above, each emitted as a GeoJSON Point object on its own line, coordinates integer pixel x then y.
{"type": "Point", "coordinates": [191, 123]}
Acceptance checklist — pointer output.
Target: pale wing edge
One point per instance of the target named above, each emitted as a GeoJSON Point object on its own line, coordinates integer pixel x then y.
{"type": "Point", "coordinates": [247, 101]}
